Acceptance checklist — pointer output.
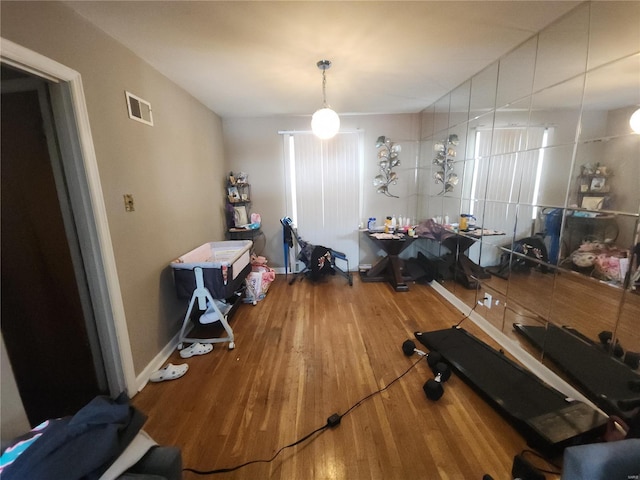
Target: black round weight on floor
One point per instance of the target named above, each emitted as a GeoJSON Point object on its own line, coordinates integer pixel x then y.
{"type": "Point", "coordinates": [433, 389]}
{"type": "Point", "coordinates": [408, 347]}
{"type": "Point", "coordinates": [605, 337]}
{"type": "Point", "coordinates": [433, 359]}
{"type": "Point", "coordinates": [618, 351]}
{"type": "Point", "coordinates": [632, 359]}
{"type": "Point", "coordinates": [444, 371]}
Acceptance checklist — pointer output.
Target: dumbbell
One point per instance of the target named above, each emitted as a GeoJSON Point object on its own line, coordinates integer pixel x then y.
{"type": "Point", "coordinates": [632, 360]}
{"type": "Point", "coordinates": [606, 337]}
{"type": "Point", "coordinates": [433, 388]}
{"type": "Point", "coordinates": [409, 348]}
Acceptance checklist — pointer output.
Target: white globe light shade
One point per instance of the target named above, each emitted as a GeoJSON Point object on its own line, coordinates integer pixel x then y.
{"type": "Point", "coordinates": [325, 123]}
{"type": "Point", "coordinates": [634, 121]}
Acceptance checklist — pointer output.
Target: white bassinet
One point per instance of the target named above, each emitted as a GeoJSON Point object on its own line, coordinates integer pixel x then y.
{"type": "Point", "coordinates": [213, 271]}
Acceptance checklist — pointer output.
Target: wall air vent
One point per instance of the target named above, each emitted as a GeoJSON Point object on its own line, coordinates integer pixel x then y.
{"type": "Point", "coordinates": [139, 109]}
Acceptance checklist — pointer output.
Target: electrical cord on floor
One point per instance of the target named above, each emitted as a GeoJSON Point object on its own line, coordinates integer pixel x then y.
{"type": "Point", "coordinates": [231, 469]}
{"type": "Point", "coordinates": [467, 315]}
{"type": "Point", "coordinates": [358, 403]}
{"type": "Point", "coordinates": [332, 421]}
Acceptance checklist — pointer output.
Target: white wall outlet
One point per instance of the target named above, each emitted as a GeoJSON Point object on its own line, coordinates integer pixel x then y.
{"type": "Point", "coordinates": [487, 300]}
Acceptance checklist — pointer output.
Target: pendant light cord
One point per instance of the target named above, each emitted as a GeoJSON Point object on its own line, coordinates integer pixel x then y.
{"type": "Point", "coordinates": [324, 89]}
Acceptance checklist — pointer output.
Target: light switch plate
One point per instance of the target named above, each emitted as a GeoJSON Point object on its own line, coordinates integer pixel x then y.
{"type": "Point", "coordinates": [128, 202]}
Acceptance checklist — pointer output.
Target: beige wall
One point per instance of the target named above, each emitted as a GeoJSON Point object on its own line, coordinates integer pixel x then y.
{"type": "Point", "coordinates": [254, 146]}
{"type": "Point", "coordinates": [174, 170]}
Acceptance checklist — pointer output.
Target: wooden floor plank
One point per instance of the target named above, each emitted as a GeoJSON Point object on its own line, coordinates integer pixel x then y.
{"type": "Point", "coordinates": [307, 351]}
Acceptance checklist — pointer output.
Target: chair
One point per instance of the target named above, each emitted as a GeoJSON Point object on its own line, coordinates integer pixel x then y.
{"type": "Point", "coordinates": [318, 260]}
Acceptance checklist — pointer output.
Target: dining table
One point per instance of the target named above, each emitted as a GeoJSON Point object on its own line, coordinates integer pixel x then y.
{"type": "Point", "coordinates": [389, 268]}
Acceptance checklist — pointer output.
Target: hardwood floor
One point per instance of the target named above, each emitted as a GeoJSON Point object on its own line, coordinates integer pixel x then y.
{"type": "Point", "coordinates": [308, 351]}
{"type": "Point", "coordinates": [566, 299]}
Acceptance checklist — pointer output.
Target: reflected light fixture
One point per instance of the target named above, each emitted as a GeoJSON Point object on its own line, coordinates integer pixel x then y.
{"type": "Point", "coordinates": [325, 123]}
{"type": "Point", "coordinates": [634, 121]}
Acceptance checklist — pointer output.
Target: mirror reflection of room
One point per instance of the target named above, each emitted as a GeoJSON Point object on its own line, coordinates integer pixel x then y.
{"type": "Point", "coordinates": [548, 156]}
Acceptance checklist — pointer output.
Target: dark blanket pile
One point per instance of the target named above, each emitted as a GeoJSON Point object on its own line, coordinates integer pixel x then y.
{"type": "Point", "coordinates": [78, 447]}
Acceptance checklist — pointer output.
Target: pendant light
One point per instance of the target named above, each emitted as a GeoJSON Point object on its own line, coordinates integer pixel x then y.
{"type": "Point", "coordinates": [634, 121]}
{"type": "Point", "coordinates": [325, 123]}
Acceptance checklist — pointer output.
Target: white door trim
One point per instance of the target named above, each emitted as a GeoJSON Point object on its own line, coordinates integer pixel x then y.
{"type": "Point", "coordinates": [114, 338]}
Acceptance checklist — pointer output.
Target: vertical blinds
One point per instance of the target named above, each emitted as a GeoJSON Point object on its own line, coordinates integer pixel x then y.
{"type": "Point", "coordinates": [323, 189]}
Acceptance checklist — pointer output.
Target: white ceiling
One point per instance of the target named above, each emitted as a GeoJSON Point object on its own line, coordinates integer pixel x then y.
{"type": "Point", "coordinates": [252, 59]}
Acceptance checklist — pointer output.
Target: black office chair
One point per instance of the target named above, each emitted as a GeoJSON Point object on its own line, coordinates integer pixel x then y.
{"type": "Point", "coordinates": [318, 260]}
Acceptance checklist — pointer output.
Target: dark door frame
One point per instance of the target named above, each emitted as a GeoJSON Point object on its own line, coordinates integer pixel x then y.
{"type": "Point", "coordinates": [46, 303]}
{"type": "Point", "coordinates": [86, 199]}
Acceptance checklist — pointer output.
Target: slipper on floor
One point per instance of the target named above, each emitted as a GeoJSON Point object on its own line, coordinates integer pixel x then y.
{"type": "Point", "coordinates": [170, 372]}
{"type": "Point", "coordinates": [196, 349]}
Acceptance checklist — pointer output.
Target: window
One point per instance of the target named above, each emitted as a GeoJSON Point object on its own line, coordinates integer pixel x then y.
{"type": "Point", "coordinates": [507, 170]}
{"type": "Point", "coordinates": [323, 189]}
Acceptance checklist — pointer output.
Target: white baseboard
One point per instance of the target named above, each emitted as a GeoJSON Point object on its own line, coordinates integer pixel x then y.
{"type": "Point", "coordinates": [158, 361]}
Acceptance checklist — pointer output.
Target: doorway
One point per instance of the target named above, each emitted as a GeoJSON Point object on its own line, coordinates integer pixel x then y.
{"type": "Point", "coordinates": [47, 322]}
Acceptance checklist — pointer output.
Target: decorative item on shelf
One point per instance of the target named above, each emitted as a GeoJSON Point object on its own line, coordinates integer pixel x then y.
{"type": "Point", "coordinates": [233, 194]}
{"type": "Point", "coordinates": [445, 154]}
{"type": "Point", "coordinates": [598, 184]}
{"type": "Point", "coordinates": [240, 218]}
{"type": "Point", "coordinates": [595, 187]}
{"type": "Point", "coordinates": [596, 170]}
{"type": "Point", "coordinates": [242, 178]}
{"type": "Point", "coordinates": [241, 224]}
{"type": "Point", "coordinates": [592, 203]}
{"type": "Point", "coordinates": [325, 122]}
{"type": "Point", "coordinates": [238, 188]}
{"type": "Point", "coordinates": [387, 161]}
{"type": "Point", "coordinates": [584, 185]}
